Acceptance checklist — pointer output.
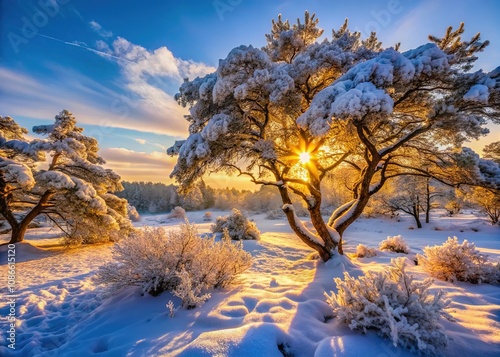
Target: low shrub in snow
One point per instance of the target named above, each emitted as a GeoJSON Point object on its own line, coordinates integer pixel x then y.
{"type": "Point", "coordinates": [177, 261]}
{"type": "Point", "coordinates": [177, 212]}
{"type": "Point", "coordinates": [395, 244]}
{"type": "Point", "coordinates": [207, 217]}
{"type": "Point", "coordinates": [454, 261]}
{"type": "Point", "coordinates": [275, 214]}
{"type": "Point", "coordinates": [394, 304]}
{"type": "Point", "coordinates": [237, 225]}
{"type": "Point", "coordinates": [362, 251]}
{"type": "Point", "coordinates": [133, 215]}
{"type": "Point", "coordinates": [103, 229]}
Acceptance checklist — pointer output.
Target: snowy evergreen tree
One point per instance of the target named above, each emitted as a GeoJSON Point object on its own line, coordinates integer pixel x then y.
{"type": "Point", "coordinates": [292, 112]}
{"type": "Point", "coordinates": [61, 177]}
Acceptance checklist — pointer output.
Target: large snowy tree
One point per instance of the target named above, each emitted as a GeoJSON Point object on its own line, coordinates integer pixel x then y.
{"type": "Point", "coordinates": [60, 176]}
{"type": "Point", "coordinates": [292, 112]}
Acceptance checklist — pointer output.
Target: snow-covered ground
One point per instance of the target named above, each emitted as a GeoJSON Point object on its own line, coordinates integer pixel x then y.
{"type": "Point", "coordinates": [277, 308]}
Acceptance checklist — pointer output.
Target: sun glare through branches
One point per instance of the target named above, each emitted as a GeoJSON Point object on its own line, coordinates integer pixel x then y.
{"type": "Point", "coordinates": [304, 157]}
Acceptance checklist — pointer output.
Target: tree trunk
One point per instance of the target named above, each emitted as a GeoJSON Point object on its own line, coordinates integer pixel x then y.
{"type": "Point", "coordinates": [427, 201]}
{"type": "Point", "coordinates": [19, 228]}
{"type": "Point", "coordinates": [416, 215]}
{"type": "Point", "coordinates": [325, 253]}
{"type": "Point", "coordinates": [18, 232]}
{"type": "Point", "coordinates": [323, 230]}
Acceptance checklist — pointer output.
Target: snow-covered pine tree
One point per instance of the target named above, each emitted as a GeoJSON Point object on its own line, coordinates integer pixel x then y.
{"type": "Point", "coordinates": [62, 177]}
{"type": "Point", "coordinates": [296, 110]}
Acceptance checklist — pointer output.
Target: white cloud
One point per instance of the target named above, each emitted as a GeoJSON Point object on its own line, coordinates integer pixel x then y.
{"type": "Point", "coordinates": [158, 145]}
{"type": "Point", "coordinates": [148, 73]}
{"type": "Point", "coordinates": [99, 30]}
{"type": "Point", "coordinates": [149, 79]}
{"type": "Point", "coordinates": [137, 158]}
{"type": "Point", "coordinates": [90, 101]}
{"type": "Point", "coordinates": [140, 141]}
{"type": "Point", "coordinates": [102, 46]}
{"type": "Point", "coordinates": [139, 166]}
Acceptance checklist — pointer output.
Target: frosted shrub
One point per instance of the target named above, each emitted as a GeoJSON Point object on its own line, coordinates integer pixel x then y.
{"type": "Point", "coordinates": [362, 251]}
{"type": "Point", "coordinates": [177, 261]}
{"type": "Point", "coordinates": [95, 231]}
{"type": "Point", "coordinates": [133, 215]}
{"type": "Point", "coordinates": [177, 212]}
{"type": "Point", "coordinates": [275, 214]}
{"type": "Point", "coordinates": [394, 304]}
{"type": "Point", "coordinates": [238, 226]}
{"type": "Point", "coordinates": [207, 217]}
{"type": "Point", "coordinates": [395, 244]}
{"type": "Point", "coordinates": [454, 261]}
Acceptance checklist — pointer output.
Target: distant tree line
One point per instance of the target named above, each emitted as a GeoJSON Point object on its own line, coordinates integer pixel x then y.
{"type": "Point", "coordinates": [416, 197]}
{"type": "Point", "coordinates": [149, 197]}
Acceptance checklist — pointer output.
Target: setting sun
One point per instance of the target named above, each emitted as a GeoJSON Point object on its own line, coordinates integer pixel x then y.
{"type": "Point", "coordinates": [304, 157]}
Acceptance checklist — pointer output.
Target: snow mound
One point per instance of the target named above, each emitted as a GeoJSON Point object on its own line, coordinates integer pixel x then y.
{"type": "Point", "coordinates": [24, 252]}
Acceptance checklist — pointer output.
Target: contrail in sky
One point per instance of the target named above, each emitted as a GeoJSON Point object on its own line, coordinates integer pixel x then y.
{"type": "Point", "coordinates": [81, 46]}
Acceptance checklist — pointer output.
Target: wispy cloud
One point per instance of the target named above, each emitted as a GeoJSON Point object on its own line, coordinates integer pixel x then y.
{"type": "Point", "coordinates": [158, 145]}
{"type": "Point", "coordinates": [150, 74]}
{"type": "Point", "coordinates": [139, 166]}
{"type": "Point", "coordinates": [99, 30]}
{"type": "Point", "coordinates": [140, 141]}
{"type": "Point", "coordinates": [91, 102]}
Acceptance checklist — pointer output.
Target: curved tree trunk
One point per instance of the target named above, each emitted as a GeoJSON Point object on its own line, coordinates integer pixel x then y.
{"type": "Point", "coordinates": [18, 232]}
{"type": "Point", "coordinates": [325, 250]}
{"type": "Point", "coordinates": [19, 228]}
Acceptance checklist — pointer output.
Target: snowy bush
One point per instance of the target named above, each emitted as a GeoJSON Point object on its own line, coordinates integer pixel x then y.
{"type": "Point", "coordinates": [98, 230]}
{"type": "Point", "coordinates": [238, 226]}
{"type": "Point", "coordinates": [133, 215]}
{"type": "Point", "coordinates": [177, 261]}
{"type": "Point", "coordinates": [362, 251]}
{"type": "Point", "coordinates": [394, 304]}
{"type": "Point", "coordinates": [454, 261]}
{"type": "Point", "coordinates": [207, 217]}
{"type": "Point", "coordinates": [275, 214]}
{"type": "Point", "coordinates": [177, 212]}
{"type": "Point", "coordinates": [394, 244]}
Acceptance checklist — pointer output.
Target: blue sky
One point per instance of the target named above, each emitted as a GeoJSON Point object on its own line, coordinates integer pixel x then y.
{"type": "Point", "coordinates": [117, 64]}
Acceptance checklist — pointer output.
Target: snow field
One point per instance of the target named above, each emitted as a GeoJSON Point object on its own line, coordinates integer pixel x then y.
{"type": "Point", "coordinates": [277, 307]}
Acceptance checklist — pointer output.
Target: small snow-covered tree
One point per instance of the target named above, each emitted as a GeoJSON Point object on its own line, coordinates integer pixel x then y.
{"type": "Point", "coordinates": [237, 225]}
{"type": "Point", "coordinates": [296, 110]}
{"type": "Point", "coordinates": [60, 176]}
